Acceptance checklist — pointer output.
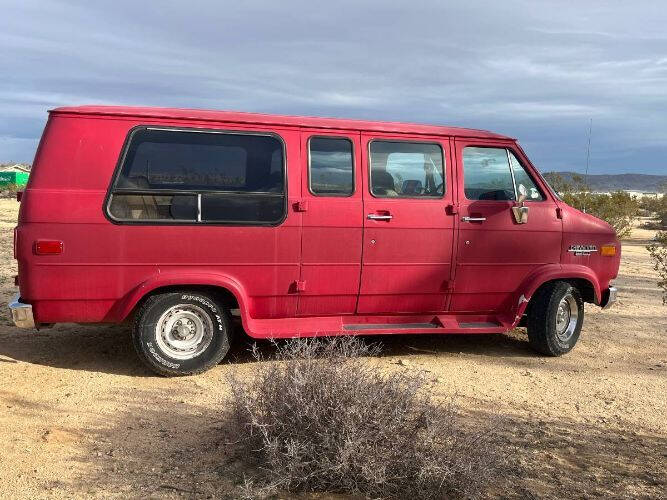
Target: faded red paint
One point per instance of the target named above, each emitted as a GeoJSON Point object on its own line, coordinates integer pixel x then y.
{"type": "Point", "coordinates": [326, 266]}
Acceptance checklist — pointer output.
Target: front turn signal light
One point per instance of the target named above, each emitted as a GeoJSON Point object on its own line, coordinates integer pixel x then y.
{"type": "Point", "coordinates": [608, 250]}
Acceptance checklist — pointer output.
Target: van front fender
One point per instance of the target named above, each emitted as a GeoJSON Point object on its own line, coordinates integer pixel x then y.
{"type": "Point", "coordinates": [551, 272]}
{"type": "Point", "coordinates": [174, 278]}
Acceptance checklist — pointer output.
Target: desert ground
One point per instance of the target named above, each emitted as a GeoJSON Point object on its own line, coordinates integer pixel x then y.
{"type": "Point", "coordinates": [80, 416]}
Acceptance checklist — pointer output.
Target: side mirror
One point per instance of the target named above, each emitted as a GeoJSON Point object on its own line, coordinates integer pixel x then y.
{"type": "Point", "coordinates": [520, 211]}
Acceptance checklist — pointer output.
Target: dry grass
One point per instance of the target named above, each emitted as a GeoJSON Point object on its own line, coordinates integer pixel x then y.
{"type": "Point", "coordinates": [322, 417]}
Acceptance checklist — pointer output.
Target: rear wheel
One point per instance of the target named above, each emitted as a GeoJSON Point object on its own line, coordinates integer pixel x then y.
{"type": "Point", "coordinates": [555, 319]}
{"type": "Point", "coordinates": [181, 333]}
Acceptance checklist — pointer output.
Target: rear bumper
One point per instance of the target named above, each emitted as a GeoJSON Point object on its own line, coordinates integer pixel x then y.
{"type": "Point", "coordinates": [609, 297]}
{"type": "Point", "coordinates": [21, 313]}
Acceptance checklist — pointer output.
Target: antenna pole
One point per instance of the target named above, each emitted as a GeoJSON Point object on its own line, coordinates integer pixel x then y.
{"type": "Point", "coordinates": [588, 158]}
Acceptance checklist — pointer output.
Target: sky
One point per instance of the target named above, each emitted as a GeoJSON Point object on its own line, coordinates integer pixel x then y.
{"type": "Point", "coordinates": [535, 70]}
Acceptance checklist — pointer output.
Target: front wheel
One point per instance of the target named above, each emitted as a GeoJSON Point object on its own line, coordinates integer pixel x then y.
{"type": "Point", "coordinates": [181, 333]}
{"type": "Point", "coordinates": [555, 319]}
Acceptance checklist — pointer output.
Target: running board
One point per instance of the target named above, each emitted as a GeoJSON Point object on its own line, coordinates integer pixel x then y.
{"type": "Point", "coordinates": [390, 326]}
{"type": "Point", "coordinates": [479, 324]}
{"type": "Point", "coordinates": [374, 325]}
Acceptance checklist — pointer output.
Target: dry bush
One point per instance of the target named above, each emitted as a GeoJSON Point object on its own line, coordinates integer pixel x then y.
{"type": "Point", "coordinates": [661, 211]}
{"type": "Point", "coordinates": [658, 251]}
{"type": "Point", "coordinates": [9, 190]}
{"type": "Point", "coordinates": [656, 209]}
{"type": "Point", "coordinates": [322, 418]}
{"type": "Point", "coordinates": [618, 208]}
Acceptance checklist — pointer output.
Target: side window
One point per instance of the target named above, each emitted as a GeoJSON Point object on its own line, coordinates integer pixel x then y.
{"type": "Point", "coordinates": [486, 174]}
{"type": "Point", "coordinates": [406, 169]}
{"type": "Point", "coordinates": [331, 166]}
{"type": "Point", "coordinates": [522, 178]}
{"type": "Point", "coordinates": [197, 176]}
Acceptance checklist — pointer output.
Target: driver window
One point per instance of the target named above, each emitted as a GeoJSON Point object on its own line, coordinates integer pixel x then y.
{"type": "Point", "coordinates": [487, 175]}
{"type": "Point", "coordinates": [406, 169]}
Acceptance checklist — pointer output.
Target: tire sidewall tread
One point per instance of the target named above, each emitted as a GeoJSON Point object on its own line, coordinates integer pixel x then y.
{"type": "Point", "coordinates": [143, 333]}
{"type": "Point", "coordinates": [541, 321]}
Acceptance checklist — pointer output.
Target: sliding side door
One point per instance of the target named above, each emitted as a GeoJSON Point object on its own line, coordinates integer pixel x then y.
{"type": "Point", "coordinates": [408, 231]}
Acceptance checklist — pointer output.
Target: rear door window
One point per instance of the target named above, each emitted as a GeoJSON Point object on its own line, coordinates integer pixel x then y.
{"type": "Point", "coordinates": [331, 166]}
{"type": "Point", "coordinates": [200, 176]}
{"type": "Point", "coordinates": [406, 170]}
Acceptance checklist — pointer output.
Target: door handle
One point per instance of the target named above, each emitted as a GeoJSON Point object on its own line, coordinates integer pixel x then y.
{"type": "Point", "coordinates": [473, 219]}
{"type": "Point", "coordinates": [379, 217]}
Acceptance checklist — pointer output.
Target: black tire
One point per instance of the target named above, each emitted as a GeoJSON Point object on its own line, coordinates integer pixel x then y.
{"type": "Point", "coordinates": [543, 334]}
{"type": "Point", "coordinates": [193, 312]}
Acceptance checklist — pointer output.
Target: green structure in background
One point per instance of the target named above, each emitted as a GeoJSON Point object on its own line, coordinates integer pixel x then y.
{"type": "Point", "coordinates": [11, 178]}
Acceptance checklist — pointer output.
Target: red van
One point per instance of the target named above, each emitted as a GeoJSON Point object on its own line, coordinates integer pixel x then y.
{"type": "Point", "coordinates": [175, 218]}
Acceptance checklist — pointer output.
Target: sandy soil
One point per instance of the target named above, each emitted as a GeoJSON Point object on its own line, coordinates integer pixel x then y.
{"type": "Point", "coordinates": [80, 416]}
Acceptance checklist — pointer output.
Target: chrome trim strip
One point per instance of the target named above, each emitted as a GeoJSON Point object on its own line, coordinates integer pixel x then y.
{"type": "Point", "coordinates": [21, 313]}
{"type": "Point", "coordinates": [509, 164]}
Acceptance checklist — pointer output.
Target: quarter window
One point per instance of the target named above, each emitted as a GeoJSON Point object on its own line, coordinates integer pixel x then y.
{"type": "Point", "coordinates": [406, 169]}
{"type": "Point", "coordinates": [197, 176]}
{"type": "Point", "coordinates": [522, 178]}
{"type": "Point", "coordinates": [331, 166]}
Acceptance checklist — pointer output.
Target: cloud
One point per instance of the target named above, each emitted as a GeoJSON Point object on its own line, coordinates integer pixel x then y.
{"type": "Point", "coordinates": [537, 71]}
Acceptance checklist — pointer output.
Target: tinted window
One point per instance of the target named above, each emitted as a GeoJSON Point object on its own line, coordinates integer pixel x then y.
{"type": "Point", "coordinates": [331, 166]}
{"type": "Point", "coordinates": [166, 159]}
{"type": "Point", "coordinates": [152, 207]}
{"type": "Point", "coordinates": [521, 178]}
{"type": "Point", "coordinates": [200, 177]}
{"type": "Point", "coordinates": [405, 169]}
{"type": "Point", "coordinates": [486, 174]}
{"type": "Point", "coordinates": [217, 207]}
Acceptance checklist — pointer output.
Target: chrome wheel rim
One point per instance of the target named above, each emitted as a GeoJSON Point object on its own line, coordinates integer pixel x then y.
{"type": "Point", "coordinates": [567, 315]}
{"type": "Point", "coordinates": [184, 331]}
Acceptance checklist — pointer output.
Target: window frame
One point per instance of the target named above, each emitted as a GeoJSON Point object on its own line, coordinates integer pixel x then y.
{"type": "Point", "coordinates": [354, 167]}
{"type": "Point", "coordinates": [507, 149]}
{"type": "Point", "coordinates": [410, 141]}
{"type": "Point", "coordinates": [111, 190]}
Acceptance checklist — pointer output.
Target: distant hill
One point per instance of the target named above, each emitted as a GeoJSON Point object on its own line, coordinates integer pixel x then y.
{"type": "Point", "coordinates": [632, 182]}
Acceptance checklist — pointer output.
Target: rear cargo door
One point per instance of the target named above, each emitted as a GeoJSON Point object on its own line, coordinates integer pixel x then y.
{"type": "Point", "coordinates": [331, 208]}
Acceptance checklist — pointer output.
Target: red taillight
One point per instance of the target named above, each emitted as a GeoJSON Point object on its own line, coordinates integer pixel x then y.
{"type": "Point", "coordinates": [48, 247]}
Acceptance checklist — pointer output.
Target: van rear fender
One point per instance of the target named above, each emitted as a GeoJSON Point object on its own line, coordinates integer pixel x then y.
{"type": "Point", "coordinates": [171, 280]}
{"type": "Point", "coordinates": [551, 272]}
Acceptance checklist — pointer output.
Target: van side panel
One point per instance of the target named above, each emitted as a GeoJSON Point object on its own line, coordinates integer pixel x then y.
{"type": "Point", "coordinates": [102, 262]}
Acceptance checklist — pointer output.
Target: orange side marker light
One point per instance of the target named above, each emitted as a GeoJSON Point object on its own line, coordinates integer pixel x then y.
{"type": "Point", "coordinates": [608, 250]}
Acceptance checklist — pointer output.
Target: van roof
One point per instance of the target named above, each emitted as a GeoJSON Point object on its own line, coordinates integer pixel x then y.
{"type": "Point", "coordinates": [280, 120]}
